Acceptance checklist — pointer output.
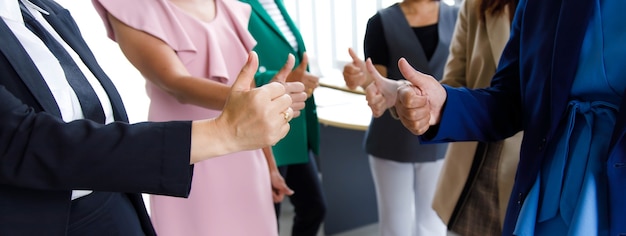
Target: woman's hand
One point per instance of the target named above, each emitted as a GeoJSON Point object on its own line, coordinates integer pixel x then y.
{"type": "Point", "coordinates": [279, 187]}
{"type": "Point", "coordinates": [295, 89]}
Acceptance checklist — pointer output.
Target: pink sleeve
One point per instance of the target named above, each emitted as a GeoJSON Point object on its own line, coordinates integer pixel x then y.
{"type": "Point", "coordinates": [240, 16]}
{"type": "Point", "coordinates": [154, 17]}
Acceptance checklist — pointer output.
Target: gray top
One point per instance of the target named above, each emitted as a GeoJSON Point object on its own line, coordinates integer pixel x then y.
{"type": "Point", "coordinates": [386, 137]}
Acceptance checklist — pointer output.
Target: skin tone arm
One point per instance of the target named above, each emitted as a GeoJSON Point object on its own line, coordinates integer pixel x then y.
{"type": "Point", "coordinates": [279, 186]}
{"type": "Point", "coordinates": [160, 65]}
{"type": "Point", "coordinates": [251, 119]}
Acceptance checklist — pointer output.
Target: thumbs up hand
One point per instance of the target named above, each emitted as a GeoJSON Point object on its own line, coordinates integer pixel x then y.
{"type": "Point", "coordinates": [294, 89]}
{"type": "Point", "coordinates": [256, 117]}
{"type": "Point", "coordinates": [300, 74]}
{"type": "Point", "coordinates": [355, 73]}
{"type": "Point", "coordinates": [381, 93]}
{"type": "Point", "coordinates": [419, 104]}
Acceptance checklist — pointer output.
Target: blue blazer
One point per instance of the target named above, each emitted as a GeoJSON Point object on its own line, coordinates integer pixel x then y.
{"type": "Point", "coordinates": [530, 92]}
{"type": "Point", "coordinates": [42, 158]}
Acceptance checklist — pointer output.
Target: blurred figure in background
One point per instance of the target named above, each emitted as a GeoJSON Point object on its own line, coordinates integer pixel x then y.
{"type": "Point", "coordinates": [403, 170]}
{"type": "Point", "coordinates": [561, 80]}
{"type": "Point", "coordinates": [477, 178]}
{"type": "Point", "coordinates": [277, 36]}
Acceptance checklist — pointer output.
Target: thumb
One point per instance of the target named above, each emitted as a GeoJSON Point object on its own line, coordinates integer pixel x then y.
{"type": "Point", "coordinates": [304, 63]}
{"type": "Point", "coordinates": [416, 78]}
{"type": "Point", "coordinates": [373, 72]}
{"type": "Point", "coordinates": [281, 76]}
{"type": "Point", "coordinates": [246, 75]}
{"type": "Point", "coordinates": [355, 58]}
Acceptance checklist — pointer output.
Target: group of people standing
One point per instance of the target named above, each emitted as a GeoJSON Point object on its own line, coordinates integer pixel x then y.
{"type": "Point", "coordinates": [460, 46]}
{"type": "Point", "coordinates": [233, 132]}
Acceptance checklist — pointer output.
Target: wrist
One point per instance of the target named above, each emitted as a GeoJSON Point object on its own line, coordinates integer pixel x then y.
{"type": "Point", "coordinates": [394, 113]}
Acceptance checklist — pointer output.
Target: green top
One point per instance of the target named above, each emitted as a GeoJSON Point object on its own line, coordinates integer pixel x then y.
{"type": "Point", "coordinates": [273, 49]}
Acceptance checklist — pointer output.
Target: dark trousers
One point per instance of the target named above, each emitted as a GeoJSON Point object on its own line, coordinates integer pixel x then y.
{"type": "Point", "coordinates": [105, 214]}
{"type": "Point", "coordinates": [308, 199]}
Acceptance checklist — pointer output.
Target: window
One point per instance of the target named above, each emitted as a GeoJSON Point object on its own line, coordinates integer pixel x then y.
{"type": "Point", "coordinates": [330, 27]}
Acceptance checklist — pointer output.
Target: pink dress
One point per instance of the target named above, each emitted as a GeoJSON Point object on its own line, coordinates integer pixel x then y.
{"type": "Point", "coordinates": [230, 195]}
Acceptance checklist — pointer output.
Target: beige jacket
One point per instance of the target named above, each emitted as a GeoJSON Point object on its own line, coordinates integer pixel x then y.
{"type": "Point", "coordinates": [474, 54]}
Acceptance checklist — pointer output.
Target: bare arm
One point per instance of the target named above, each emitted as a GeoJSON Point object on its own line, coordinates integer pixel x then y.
{"type": "Point", "coordinates": [160, 65]}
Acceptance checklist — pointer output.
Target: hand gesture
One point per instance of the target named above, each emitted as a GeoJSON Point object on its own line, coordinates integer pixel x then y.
{"type": "Point", "coordinates": [279, 187]}
{"type": "Point", "coordinates": [381, 93]}
{"type": "Point", "coordinates": [419, 106]}
{"type": "Point", "coordinates": [299, 74]}
{"type": "Point", "coordinates": [294, 89]}
{"type": "Point", "coordinates": [255, 117]}
{"type": "Point", "coordinates": [355, 73]}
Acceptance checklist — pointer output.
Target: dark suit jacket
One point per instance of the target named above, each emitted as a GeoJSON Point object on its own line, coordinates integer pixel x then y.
{"type": "Point", "coordinates": [43, 158]}
{"type": "Point", "coordinates": [530, 91]}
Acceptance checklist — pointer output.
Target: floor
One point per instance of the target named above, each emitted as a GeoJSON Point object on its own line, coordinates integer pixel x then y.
{"type": "Point", "coordinates": [286, 217]}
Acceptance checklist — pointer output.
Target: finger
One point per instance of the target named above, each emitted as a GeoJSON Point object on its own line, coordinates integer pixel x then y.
{"type": "Point", "coordinates": [277, 196]}
{"type": "Point", "coordinates": [275, 90]}
{"type": "Point", "coordinates": [304, 63]}
{"type": "Point", "coordinates": [355, 58]}
{"type": "Point", "coordinates": [297, 108]}
{"type": "Point", "coordinates": [281, 76]}
{"type": "Point", "coordinates": [312, 79]}
{"type": "Point", "coordinates": [409, 98]}
{"type": "Point", "coordinates": [288, 114]}
{"type": "Point", "coordinates": [352, 75]}
{"type": "Point", "coordinates": [417, 78]}
{"type": "Point", "coordinates": [371, 90]}
{"type": "Point", "coordinates": [374, 72]}
{"type": "Point", "coordinates": [289, 192]}
{"type": "Point", "coordinates": [246, 75]}
{"type": "Point", "coordinates": [295, 90]}
{"type": "Point", "coordinates": [378, 105]}
{"type": "Point", "coordinates": [294, 87]}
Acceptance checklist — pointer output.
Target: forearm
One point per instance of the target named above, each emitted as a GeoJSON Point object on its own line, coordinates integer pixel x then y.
{"type": "Point", "coordinates": [269, 156]}
{"type": "Point", "coordinates": [195, 91]}
{"type": "Point", "coordinates": [208, 139]}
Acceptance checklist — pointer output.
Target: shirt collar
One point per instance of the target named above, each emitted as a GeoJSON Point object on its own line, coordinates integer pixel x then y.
{"type": "Point", "coordinates": [10, 9]}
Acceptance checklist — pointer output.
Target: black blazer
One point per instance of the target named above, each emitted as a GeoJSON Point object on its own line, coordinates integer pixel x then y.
{"type": "Point", "coordinates": [43, 158]}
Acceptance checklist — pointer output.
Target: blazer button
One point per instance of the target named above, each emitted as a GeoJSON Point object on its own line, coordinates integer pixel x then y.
{"type": "Point", "coordinates": [262, 69]}
{"type": "Point", "coordinates": [519, 199]}
{"type": "Point", "coordinates": [542, 144]}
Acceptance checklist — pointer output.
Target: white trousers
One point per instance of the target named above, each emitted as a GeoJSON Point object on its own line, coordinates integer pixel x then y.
{"type": "Point", "coordinates": [404, 193]}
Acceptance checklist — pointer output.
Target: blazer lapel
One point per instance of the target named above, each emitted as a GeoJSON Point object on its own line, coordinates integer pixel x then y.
{"type": "Point", "coordinates": [26, 69]}
{"type": "Point", "coordinates": [292, 26]}
{"type": "Point", "coordinates": [267, 19]}
{"type": "Point", "coordinates": [496, 26]}
{"type": "Point", "coordinates": [68, 30]}
{"type": "Point", "coordinates": [568, 39]}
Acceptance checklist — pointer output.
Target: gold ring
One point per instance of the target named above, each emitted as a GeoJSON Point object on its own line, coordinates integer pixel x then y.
{"type": "Point", "coordinates": [286, 116]}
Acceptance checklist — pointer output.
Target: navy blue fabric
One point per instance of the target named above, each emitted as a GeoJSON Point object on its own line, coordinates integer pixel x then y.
{"type": "Point", "coordinates": [530, 92]}
{"type": "Point", "coordinates": [43, 158]}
